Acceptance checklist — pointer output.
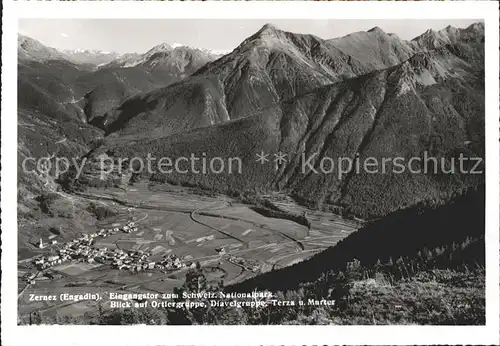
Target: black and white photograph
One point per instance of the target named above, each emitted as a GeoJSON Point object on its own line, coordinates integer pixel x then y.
{"type": "Point", "coordinates": [253, 171]}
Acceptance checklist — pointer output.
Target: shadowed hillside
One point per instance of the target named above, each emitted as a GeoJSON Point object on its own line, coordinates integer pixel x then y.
{"type": "Point", "coordinates": [410, 233]}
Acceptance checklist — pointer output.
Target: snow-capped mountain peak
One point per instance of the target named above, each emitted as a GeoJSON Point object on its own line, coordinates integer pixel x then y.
{"type": "Point", "coordinates": [90, 56]}
{"type": "Point", "coordinates": [175, 45]}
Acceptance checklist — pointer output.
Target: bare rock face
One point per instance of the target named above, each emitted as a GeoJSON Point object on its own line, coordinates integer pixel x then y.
{"type": "Point", "coordinates": [432, 39]}
{"type": "Point", "coordinates": [375, 48]}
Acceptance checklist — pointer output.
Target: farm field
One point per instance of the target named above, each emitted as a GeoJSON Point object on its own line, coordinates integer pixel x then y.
{"type": "Point", "coordinates": [231, 241]}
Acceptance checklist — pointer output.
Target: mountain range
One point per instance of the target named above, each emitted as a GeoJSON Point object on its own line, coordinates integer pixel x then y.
{"type": "Point", "coordinates": [367, 94]}
{"type": "Point", "coordinates": [91, 56]}
{"type": "Point", "coordinates": [418, 256]}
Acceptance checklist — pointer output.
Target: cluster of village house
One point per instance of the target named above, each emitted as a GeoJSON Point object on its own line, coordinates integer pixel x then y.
{"type": "Point", "coordinates": [81, 249]}
{"type": "Point", "coordinates": [137, 261]}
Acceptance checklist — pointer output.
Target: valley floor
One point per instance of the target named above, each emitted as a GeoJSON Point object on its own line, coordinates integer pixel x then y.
{"type": "Point", "coordinates": [230, 240]}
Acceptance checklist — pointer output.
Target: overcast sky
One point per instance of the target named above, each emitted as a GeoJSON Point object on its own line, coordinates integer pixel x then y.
{"type": "Point", "coordinates": [139, 35]}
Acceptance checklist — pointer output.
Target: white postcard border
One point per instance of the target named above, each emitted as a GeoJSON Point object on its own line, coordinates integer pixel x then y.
{"type": "Point", "coordinates": [232, 335]}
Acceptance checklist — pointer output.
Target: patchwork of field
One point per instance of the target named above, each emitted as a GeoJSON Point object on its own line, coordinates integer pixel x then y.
{"type": "Point", "coordinates": [75, 268]}
{"type": "Point", "coordinates": [142, 195]}
{"type": "Point", "coordinates": [230, 240]}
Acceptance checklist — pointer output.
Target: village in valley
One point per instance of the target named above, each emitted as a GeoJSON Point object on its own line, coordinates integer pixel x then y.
{"type": "Point", "coordinates": [156, 236]}
{"type": "Point", "coordinates": [82, 249]}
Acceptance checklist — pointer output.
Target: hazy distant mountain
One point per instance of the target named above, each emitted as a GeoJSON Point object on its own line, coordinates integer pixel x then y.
{"type": "Point", "coordinates": [181, 60]}
{"type": "Point", "coordinates": [94, 57]}
{"type": "Point", "coordinates": [91, 92]}
{"type": "Point", "coordinates": [121, 60]}
{"type": "Point", "coordinates": [432, 39]}
{"type": "Point", "coordinates": [134, 74]}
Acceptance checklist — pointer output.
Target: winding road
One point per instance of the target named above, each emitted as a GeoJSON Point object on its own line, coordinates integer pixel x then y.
{"type": "Point", "coordinates": [193, 214]}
